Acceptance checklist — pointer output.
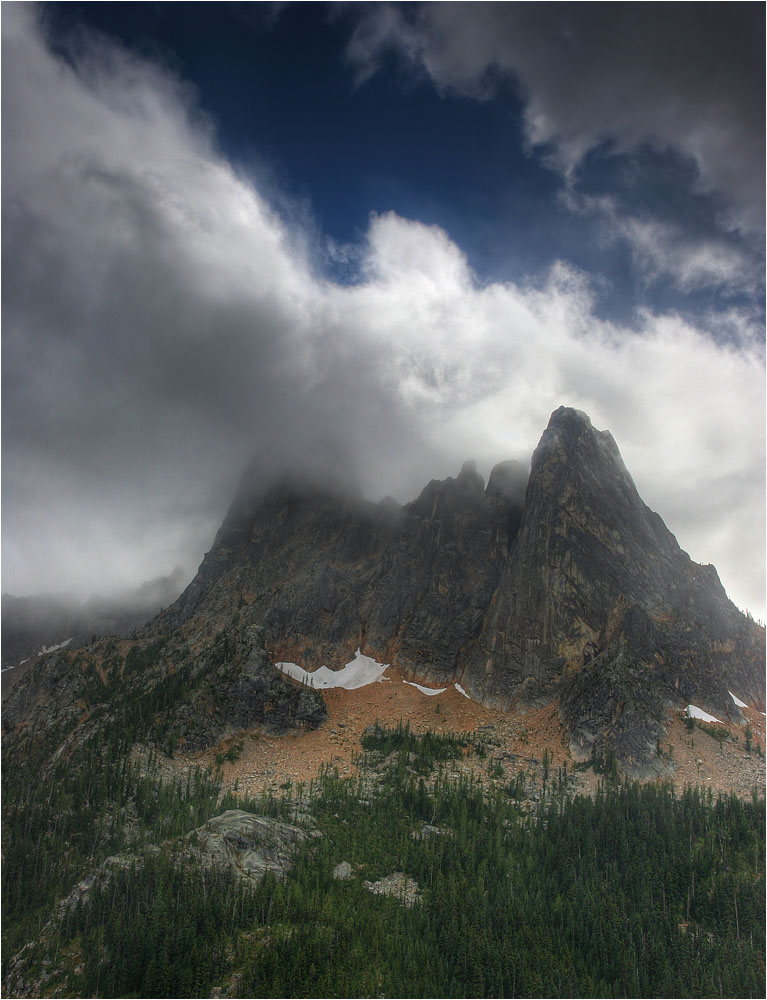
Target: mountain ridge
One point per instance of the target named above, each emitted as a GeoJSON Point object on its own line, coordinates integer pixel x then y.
{"type": "Point", "coordinates": [563, 585]}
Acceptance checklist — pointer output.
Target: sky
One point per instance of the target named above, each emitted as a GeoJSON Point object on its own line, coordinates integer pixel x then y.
{"type": "Point", "coordinates": [371, 241]}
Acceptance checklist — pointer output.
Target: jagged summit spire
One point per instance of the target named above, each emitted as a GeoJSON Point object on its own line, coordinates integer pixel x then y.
{"type": "Point", "coordinates": [470, 479]}
{"type": "Point", "coordinates": [572, 438]}
{"type": "Point", "coordinates": [569, 414]}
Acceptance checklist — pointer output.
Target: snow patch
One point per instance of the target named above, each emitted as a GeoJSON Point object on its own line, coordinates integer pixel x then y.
{"type": "Point", "coordinates": [693, 712]}
{"type": "Point", "coordinates": [738, 702]}
{"type": "Point", "coordinates": [360, 671]}
{"type": "Point", "coordinates": [458, 688]}
{"type": "Point", "coordinates": [425, 690]}
{"type": "Point", "coordinates": [52, 649]}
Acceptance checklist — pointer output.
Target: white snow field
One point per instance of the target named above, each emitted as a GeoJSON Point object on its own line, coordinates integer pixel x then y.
{"type": "Point", "coordinates": [357, 673]}
{"type": "Point", "coordinates": [458, 688]}
{"type": "Point", "coordinates": [693, 712]}
{"type": "Point", "coordinates": [738, 702]}
{"type": "Point", "coordinates": [425, 690]}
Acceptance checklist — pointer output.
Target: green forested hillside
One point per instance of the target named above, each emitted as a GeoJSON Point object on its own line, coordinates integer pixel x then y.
{"type": "Point", "coordinates": [637, 892]}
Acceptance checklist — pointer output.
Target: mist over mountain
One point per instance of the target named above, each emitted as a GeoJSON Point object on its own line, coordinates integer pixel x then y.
{"type": "Point", "coordinates": [32, 624]}
{"type": "Point", "coordinates": [185, 288]}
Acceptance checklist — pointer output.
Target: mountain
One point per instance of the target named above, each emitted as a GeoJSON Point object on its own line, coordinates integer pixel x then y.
{"type": "Point", "coordinates": [561, 586]}
{"type": "Point", "coordinates": [34, 624]}
{"type": "Point", "coordinates": [566, 585]}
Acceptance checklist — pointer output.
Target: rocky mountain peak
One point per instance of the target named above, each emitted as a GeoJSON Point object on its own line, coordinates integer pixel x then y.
{"type": "Point", "coordinates": [588, 455]}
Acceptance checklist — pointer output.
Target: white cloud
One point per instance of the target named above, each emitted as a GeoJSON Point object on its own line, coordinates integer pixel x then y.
{"type": "Point", "coordinates": [162, 324]}
{"type": "Point", "coordinates": [662, 249]}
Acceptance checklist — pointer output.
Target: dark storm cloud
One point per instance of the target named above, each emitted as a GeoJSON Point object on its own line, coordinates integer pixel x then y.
{"type": "Point", "coordinates": [162, 325]}
{"type": "Point", "coordinates": [689, 77]}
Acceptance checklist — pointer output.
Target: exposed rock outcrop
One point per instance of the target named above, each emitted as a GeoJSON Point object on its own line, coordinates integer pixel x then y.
{"type": "Point", "coordinates": [343, 872]}
{"type": "Point", "coordinates": [248, 844]}
{"type": "Point", "coordinates": [587, 541]}
{"type": "Point", "coordinates": [399, 885]}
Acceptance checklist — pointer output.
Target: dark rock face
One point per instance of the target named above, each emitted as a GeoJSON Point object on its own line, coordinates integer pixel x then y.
{"type": "Point", "coordinates": [325, 574]}
{"type": "Point", "coordinates": [612, 702]}
{"type": "Point", "coordinates": [46, 693]}
{"type": "Point", "coordinates": [190, 689]}
{"type": "Point", "coordinates": [586, 541]}
{"type": "Point", "coordinates": [239, 688]}
{"type": "Point", "coordinates": [599, 604]}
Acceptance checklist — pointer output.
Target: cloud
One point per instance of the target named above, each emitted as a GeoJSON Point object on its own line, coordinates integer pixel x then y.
{"type": "Point", "coordinates": [665, 250]}
{"type": "Point", "coordinates": [162, 324]}
{"type": "Point", "coordinates": [687, 78]}
{"type": "Point", "coordinates": [695, 264]}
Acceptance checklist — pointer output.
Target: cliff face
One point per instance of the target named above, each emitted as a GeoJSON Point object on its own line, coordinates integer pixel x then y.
{"type": "Point", "coordinates": [585, 539]}
{"type": "Point", "coordinates": [325, 574]}
{"type": "Point", "coordinates": [586, 542]}
{"type": "Point", "coordinates": [564, 586]}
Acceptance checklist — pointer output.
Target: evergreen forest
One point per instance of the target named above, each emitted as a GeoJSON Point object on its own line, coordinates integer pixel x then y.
{"type": "Point", "coordinates": [639, 891]}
